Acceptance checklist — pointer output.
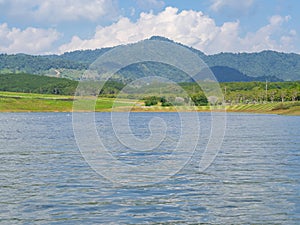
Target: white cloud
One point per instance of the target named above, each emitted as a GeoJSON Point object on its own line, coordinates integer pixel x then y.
{"type": "Point", "coordinates": [59, 10]}
{"type": "Point", "coordinates": [191, 28]}
{"type": "Point", "coordinates": [278, 20]}
{"type": "Point", "coordinates": [188, 27]}
{"type": "Point", "coordinates": [264, 38]}
{"type": "Point", "coordinates": [31, 40]}
{"type": "Point", "coordinates": [218, 5]}
{"type": "Point", "coordinates": [288, 40]}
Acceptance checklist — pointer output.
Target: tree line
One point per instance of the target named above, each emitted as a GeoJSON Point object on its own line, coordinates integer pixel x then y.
{"type": "Point", "coordinates": [28, 83]}
{"type": "Point", "coordinates": [253, 92]}
{"type": "Point", "coordinates": [233, 92]}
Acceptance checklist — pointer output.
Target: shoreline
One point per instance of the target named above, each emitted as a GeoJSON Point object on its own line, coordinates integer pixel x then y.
{"type": "Point", "coordinates": [276, 112]}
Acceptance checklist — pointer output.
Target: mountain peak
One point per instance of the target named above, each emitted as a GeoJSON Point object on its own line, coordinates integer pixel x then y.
{"type": "Point", "coordinates": [160, 38]}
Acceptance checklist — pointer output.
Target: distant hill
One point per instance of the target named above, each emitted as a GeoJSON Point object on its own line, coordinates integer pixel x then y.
{"type": "Point", "coordinates": [29, 83]}
{"type": "Point", "coordinates": [36, 64]}
{"type": "Point", "coordinates": [227, 74]}
{"type": "Point", "coordinates": [81, 56]}
{"type": "Point", "coordinates": [285, 66]}
{"type": "Point", "coordinates": [270, 65]}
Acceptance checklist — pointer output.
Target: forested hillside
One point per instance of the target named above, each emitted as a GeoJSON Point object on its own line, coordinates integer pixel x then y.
{"type": "Point", "coordinates": [29, 83]}
{"type": "Point", "coordinates": [268, 65]}
{"type": "Point", "coordinates": [36, 64]}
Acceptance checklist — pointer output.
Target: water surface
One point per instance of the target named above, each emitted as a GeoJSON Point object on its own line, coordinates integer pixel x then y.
{"type": "Point", "coordinates": [254, 179]}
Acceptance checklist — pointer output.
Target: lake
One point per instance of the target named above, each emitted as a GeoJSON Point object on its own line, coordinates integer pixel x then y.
{"type": "Point", "coordinates": [255, 177]}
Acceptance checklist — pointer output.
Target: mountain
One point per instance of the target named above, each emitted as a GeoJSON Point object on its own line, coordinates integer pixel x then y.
{"type": "Point", "coordinates": [285, 66]}
{"type": "Point", "coordinates": [270, 65]}
{"type": "Point", "coordinates": [227, 74]}
{"type": "Point", "coordinates": [36, 64]}
{"type": "Point", "coordinates": [81, 56]}
{"type": "Point", "coordinates": [29, 83]}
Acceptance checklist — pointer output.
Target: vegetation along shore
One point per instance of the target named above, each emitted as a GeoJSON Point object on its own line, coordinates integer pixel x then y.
{"type": "Point", "coordinates": [33, 93]}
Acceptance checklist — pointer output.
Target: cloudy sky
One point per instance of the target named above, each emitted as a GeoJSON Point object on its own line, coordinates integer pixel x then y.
{"type": "Point", "coordinates": [212, 26]}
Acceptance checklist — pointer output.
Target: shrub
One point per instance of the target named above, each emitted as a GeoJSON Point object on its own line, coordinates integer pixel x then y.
{"type": "Point", "coordinates": [166, 104]}
{"type": "Point", "coordinates": [149, 101]}
{"type": "Point", "coordinates": [200, 100]}
{"type": "Point", "coordinates": [281, 107]}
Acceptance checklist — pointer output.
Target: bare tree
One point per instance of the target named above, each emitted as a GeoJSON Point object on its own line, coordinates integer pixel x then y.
{"type": "Point", "coordinates": [282, 95]}
{"type": "Point", "coordinates": [272, 95]}
{"type": "Point", "coordinates": [294, 95]}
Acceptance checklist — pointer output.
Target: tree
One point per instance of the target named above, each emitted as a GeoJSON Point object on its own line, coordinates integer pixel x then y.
{"type": "Point", "coordinates": [199, 100]}
{"type": "Point", "coordinates": [213, 100]}
{"type": "Point", "coordinates": [294, 94]}
{"type": "Point", "coordinates": [272, 95]}
{"type": "Point", "coordinates": [149, 101]}
{"type": "Point", "coordinates": [282, 95]}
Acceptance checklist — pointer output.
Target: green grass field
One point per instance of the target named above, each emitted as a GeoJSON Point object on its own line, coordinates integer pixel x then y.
{"type": "Point", "coordinates": [25, 102]}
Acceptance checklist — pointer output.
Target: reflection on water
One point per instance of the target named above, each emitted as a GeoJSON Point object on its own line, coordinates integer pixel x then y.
{"type": "Point", "coordinates": [254, 179]}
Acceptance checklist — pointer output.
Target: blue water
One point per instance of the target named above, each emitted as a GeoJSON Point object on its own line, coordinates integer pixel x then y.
{"type": "Point", "coordinates": [255, 178]}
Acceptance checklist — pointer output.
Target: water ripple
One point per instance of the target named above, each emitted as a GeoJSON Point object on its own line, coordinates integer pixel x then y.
{"type": "Point", "coordinates": [254, 180]}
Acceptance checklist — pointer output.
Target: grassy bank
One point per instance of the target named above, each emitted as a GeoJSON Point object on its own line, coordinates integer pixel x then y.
{"type": "Point", "coordinates": [24, 102]}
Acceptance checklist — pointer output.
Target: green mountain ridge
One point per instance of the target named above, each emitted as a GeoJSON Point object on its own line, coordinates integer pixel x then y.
{"type": "Point", "coordinates": [265, 65]}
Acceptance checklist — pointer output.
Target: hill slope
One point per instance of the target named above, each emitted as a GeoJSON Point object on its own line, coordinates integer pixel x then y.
{"type": "Point", "coordinates": [37, 84]}
{"type": "Point", "coordinates": [267, 63]}
{"type": "Point", "coordinates": [263, 65]}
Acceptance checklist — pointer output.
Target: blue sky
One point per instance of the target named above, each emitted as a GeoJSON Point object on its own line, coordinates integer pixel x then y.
{"type": "Point", "coordinates": [212, 26]}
